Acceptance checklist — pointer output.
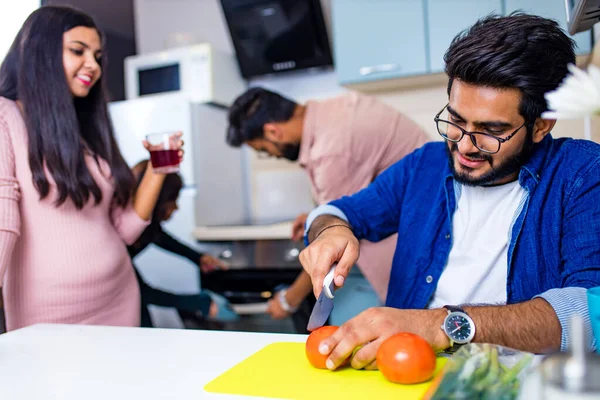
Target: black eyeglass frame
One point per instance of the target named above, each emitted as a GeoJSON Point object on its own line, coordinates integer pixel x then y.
{"type": "Point", "coordinates": [471, 134]}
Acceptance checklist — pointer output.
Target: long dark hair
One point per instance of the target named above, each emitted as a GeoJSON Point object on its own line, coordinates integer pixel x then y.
{"type": "Point", "coordinates": [59, 126]}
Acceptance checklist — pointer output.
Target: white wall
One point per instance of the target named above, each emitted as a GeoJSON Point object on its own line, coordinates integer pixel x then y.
{"type": "Point", "coordinates": [157, 22]}
{"type": "Point", "coordinates": [12, 16]}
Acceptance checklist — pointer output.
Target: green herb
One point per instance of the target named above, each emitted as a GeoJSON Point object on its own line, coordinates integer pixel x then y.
{"type": "Point", "coordinates": [476, 372]}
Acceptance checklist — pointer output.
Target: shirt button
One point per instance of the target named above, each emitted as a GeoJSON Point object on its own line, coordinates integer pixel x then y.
{"type": "Point", "coordinates": [447, 236]}
{"type": "Point", "coordinates": [429, 279]}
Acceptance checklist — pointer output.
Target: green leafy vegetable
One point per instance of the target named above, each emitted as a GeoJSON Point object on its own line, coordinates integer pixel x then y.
{"type": "Point", "coordinates": [476, 372]}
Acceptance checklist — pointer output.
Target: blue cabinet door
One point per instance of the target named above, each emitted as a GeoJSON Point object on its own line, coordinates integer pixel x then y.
{"type": "Point", "coordinates": [449, 18]}
{"type": "Point", "coordinates": [378, 39]}
{"type": "Point", "coordinates": [554, 9]}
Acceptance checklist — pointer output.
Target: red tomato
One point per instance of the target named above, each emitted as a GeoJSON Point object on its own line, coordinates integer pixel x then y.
{"type": "Point", "coordinates": [312, 345]}
{"type": "Point", "coordinates": [406, 358]}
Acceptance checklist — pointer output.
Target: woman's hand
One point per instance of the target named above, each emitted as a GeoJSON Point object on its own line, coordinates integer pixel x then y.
{"type": "Point", "coordinates": [208, 263]}
{"type": "Point", "coordinates": [175, 143]}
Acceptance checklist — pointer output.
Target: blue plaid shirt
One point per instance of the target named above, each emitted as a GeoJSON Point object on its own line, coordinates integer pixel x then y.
{"type": "Point", "coordinates": [554, 245]}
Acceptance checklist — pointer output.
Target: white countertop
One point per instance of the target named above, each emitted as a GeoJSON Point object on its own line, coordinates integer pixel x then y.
{"type": "Point", "coordinates": [278, 231]}
{"type": "Point", "coordinates": [70, 362]}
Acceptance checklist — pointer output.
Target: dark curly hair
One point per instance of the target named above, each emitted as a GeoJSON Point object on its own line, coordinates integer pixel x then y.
{"type": "Point", "coordinates": [252, 110]}
{"type": "Point", "coordinates": [520, 51]}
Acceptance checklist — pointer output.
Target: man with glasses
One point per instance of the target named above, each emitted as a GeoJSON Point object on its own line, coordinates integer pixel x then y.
{"type": "Point", "coordinates": [343, 143]}
{"type": "Point", "coordinates": [498, 226]}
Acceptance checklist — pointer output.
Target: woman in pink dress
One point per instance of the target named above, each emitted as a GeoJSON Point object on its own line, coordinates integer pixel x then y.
{"type": "Point", "coordinates": [66, 206]}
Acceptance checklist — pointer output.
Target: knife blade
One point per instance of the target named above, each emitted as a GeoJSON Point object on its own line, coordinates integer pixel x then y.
{"type": "Point", "coordinates": [324, 303]}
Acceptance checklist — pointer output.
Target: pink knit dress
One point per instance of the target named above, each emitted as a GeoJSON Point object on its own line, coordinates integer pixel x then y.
{"type": "Point", "coordinates": [61, 265]}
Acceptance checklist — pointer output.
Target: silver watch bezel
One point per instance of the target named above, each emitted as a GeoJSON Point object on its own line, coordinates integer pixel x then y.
{"type": "Point", "coordinates": [469, 320]}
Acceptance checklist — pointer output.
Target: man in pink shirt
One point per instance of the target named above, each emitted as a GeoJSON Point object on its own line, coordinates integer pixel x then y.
{"type": "Point", "coordinates": [343, 143]}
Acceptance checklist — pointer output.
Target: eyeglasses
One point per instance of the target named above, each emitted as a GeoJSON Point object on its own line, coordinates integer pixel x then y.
{"type": "Point", "coordinates": [486, 142]}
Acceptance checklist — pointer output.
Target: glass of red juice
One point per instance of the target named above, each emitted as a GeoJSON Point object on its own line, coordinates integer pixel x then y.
{"type": "Point", "coordinates": [163, 152]}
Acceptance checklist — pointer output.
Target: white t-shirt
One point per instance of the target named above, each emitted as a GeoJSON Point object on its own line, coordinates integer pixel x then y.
{"type": "Point", "coordinates": [477, 266]}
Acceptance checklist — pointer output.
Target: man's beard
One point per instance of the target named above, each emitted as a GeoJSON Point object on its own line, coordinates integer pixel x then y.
{"type": "Point", "coordinates": [501, 171]}
{"type": "Point", "coordinates": [289, 151]}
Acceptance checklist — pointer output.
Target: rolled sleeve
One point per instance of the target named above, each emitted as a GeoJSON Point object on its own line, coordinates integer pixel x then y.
{"type": "Point", "coordinates": [325, 209]}
{"type": "Point", "coordinates": [567, 302]}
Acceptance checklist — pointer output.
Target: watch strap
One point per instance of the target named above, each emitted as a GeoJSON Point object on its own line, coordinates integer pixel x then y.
{"type": "Point", "coordinates": [454, 309]}
{"type": "Point", "coordinates": [453, 346]}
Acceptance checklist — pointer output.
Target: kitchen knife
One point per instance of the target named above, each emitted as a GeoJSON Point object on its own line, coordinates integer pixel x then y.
{"type": "Point", "coordinates": [324, 303]}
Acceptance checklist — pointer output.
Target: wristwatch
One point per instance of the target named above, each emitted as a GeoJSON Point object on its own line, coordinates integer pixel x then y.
{"type": "Point", "coordinates": [459, 328]}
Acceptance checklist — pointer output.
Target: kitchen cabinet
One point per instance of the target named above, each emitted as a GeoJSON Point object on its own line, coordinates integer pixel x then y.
{"type": "Point", "coordinates": [554, 9]}
{"type": "Point", "coordinates": [448, 18]}
{"type": "Point", "coordinates": [380, 39]}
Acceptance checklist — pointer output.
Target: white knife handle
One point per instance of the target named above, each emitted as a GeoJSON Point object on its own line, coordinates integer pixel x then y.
{"type": "Point", "coordinates": [327, 282]}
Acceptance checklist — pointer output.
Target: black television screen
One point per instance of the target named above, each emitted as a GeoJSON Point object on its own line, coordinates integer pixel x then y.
{"type": "Point", "coordinates": [277, 35]}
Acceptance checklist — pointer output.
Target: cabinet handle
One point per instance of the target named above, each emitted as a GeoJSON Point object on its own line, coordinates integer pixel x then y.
{"type": "Point", "coordinates": [378, 68]}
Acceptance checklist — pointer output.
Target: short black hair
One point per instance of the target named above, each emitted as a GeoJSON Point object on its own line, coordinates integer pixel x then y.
{"type": "Point", "coordinates": [520, 51]}
{"type": "Point", "coordinates": [253, 109]}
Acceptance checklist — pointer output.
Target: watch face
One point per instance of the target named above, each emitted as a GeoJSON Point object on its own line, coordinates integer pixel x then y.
{"type": "Point", "coordinates": [459, 328]}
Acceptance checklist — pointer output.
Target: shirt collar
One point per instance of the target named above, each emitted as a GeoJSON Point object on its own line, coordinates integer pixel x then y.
{"type": "Point", "coordinates": [532, 170]}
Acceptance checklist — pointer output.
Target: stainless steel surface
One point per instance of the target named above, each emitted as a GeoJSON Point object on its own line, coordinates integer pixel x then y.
{"type": "Point", "coordinates": [256, 254]}
{"type": "Point", "coordinates": [576, 371]}
{"type": "Point", "coordinates": [320, 312]}
{"type": "Point", "coordinates": [568, 10]}
{"type": "Point", "coordinates": [258, 268]}
{"type": "Point", "coordinates": [226, 254]}
{"type": "Point", "coordinates": [583, 15]}
{"type": "Point", "coordinates": [566, 375]}
{"type": "Point", "coordinates": [324, 304]}
{"type": "Point", "coordinates": [292, 254]}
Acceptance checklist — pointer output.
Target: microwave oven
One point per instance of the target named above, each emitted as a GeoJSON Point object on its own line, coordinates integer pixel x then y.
{"type": "Point", "coordinates": [204, 74]}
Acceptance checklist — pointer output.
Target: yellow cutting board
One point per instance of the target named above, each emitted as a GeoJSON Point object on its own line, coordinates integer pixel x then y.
{"type": "Point", "coordinates": [281, 370]}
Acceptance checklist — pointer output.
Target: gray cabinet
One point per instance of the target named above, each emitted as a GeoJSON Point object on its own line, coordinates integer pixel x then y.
{"type": "Point", "coordinates": [448, 18]}
{"type": "Point", "coordinates": [554, 9]}
{"type": "Point", "coordinates": [378, 39]}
